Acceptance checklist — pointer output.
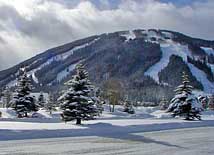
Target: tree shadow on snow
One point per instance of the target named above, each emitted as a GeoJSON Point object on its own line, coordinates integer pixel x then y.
{"type": "Point", "coordinates": [103, 130]}
{"type": "Point", "coordinates": [32, 120]}
{"type": "Point", "coordinates": [99, 130]}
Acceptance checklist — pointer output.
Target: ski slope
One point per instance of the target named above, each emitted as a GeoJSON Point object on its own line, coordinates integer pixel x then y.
{"type": "Point", "coordinates": [58, 57]}
{"type": "Point", "coordinates": [168, 49]}
{"type": "Point", "coordinates": [171, 48]}
{"type": "Point", "coordinates": [63, 74]}
{"type": "Point", "coordinates": [201, 77]}
{"type": "Point", "coordinates": [208, 50]}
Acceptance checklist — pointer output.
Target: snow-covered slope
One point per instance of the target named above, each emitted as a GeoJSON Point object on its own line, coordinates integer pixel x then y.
{"type": "Point", "coordinates": [129, 35]}
{"type": "Point", "coordinates": [201, 76]}
{"type": "Point", "coordinates": [168, 49]}
{"type": "Point", "coordinates": [208, 50]}
{"type": "Point", "coordinates": [58, 58]}
{"type": "Point", "coordinates": [65, 72]}
{"type": "Point", "coordinates": [120, 54]}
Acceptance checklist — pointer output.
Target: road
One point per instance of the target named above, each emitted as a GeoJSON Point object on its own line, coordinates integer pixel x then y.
{"type": "Point", "coordinates": [191, 141]}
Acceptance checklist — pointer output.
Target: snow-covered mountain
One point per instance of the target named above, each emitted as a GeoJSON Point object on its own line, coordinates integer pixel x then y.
{"type": "Point", "coordinates": [147, 62]}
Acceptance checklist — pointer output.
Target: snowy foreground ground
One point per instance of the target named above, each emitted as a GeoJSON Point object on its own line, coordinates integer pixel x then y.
{"type": "Point", "coordinates": [191, 141]}
{"type": "Point", "coordinates": [149, 131]}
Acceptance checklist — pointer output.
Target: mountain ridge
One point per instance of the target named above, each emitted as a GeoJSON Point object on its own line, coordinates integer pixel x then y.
{"type": "Point", "coordinates": [135, 57]}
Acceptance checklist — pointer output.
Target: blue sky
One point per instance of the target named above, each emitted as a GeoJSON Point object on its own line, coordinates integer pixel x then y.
{"type": "Point", "coordinates": [182, 2]}
{"type": "Point", "coordinates": [32, 26]}
{"type": "Point", "coordinates": [115, 3]}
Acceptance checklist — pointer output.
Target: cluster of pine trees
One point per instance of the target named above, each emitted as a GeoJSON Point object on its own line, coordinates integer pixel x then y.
{"type": "Point", "coordinates": [79, 102]}
{"type": "Point", "coordinates": [82, 100]}
{"type": "Point", "coordinates": [22, 101]}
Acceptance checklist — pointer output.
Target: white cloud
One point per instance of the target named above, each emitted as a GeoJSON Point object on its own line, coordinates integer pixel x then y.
{"type": "Point", "coordinates": [32, 26]}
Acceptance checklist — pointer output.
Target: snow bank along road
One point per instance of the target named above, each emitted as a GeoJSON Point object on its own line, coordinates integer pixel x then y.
{"type": "Point", "coordinates": [191, 141]}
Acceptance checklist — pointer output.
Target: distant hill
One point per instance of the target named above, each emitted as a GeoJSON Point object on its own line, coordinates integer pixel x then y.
{"type": "Point", "coordinates": [148, 63]}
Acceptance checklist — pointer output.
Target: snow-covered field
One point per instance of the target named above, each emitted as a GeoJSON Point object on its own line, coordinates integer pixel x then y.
{"type": "Point", "coordinates": [148, 131]}
{"type": "Point", "coordinates": [50, 126]}
{"type": "Point", "coordinates": [191, 141]}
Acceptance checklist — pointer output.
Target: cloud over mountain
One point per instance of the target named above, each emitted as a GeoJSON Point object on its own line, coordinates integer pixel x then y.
{"type": "Point", "coordinates": [31, 26]}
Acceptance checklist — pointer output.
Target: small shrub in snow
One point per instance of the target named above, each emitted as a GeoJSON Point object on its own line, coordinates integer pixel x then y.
{"type": "Point", "coordinates": [204, 101]}
{"type": "Point", "coordinates": [164, 104]}
{"type": "Point", "coordinates": [128, 107]}
{"type": "Point", "coordinates": [185, 103]}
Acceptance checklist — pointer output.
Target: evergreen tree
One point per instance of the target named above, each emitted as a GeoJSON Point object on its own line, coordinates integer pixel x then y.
{"type": "Point", "coordinates": [185, 103]}
{"type": "Point", "coordinates": [77, 103]}
{"type": "Point", "coordinates": [23, 102]}
{"type": "Point", "coordinates": [41, 100]}
{"type": "Point", "coordinates": [50, 105]}
{"type": "Point", "coordinates": [7, 97]}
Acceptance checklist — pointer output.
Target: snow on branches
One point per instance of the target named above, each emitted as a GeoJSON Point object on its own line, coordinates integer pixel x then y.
{"type": "Point", "coordinates": [77, 103]}
{"type": "Point", "coordinates": [184, 103]}
{"type": "Point", "coordinates": [23, 102]}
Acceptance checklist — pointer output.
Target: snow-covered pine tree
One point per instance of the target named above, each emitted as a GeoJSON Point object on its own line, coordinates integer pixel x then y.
{"type": "Point", "coordinates": [22, 101]}
{"type": "Point", "coordinates": [204, 101]}
{"type": "Point", "coordinates": [77, 103]}
{"type": "Point", "coordinates": [50, 105]}
{"type": "Point", "coordinates": [41, 100]}
{"type": "Point", "coordinates": [7, 97]}
{"type": "Point", "coordinates": [185, 103]}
